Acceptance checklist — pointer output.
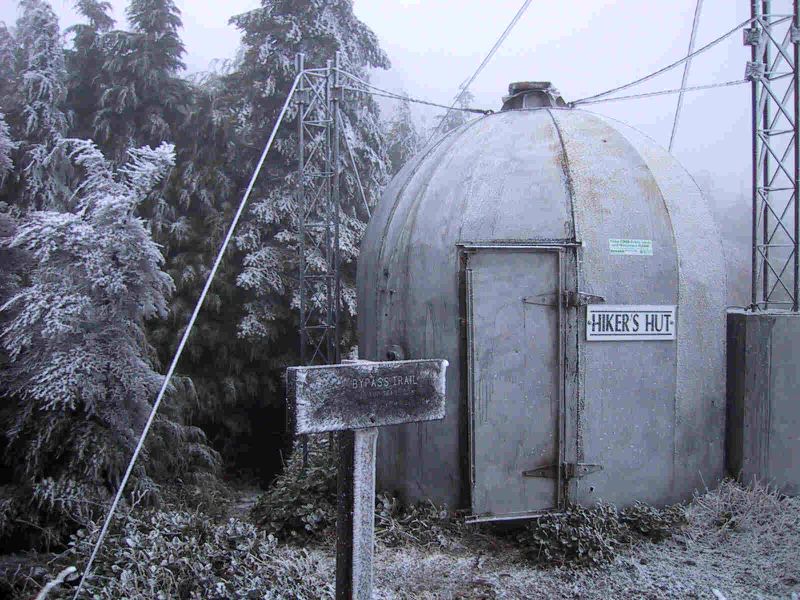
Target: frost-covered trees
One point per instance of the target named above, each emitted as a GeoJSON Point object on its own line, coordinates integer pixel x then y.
{"type": "Point", "coordinates": [253, 93]}
{"type": "Point", "coordinates": [80, 371]}
{"type": "Point", "coordinates": [451, 119]}
{"type": "Point", "coordinates": [127, 89]}
{"type": "Point", "coordinates": [86, 77]}
{"type": "Point", "coordinates": [6, 148]}
{"type": "Point", "coordinates": [7, 257]}
{"type": "Point", "coordinates": [273, 34]}
{"type": "Point", "coordinates": [403, 137]}
{"type": "Point", "coordinates": [7, 68]}
{"type": "Point", "coordinates": [125, 85]}
{"type": "Point", "coordinates": [81, 240]}
{"type": "Point", "coordinates": [236, 377]}
{"type": "Point", "coordinates": [83, 282]}
{"type": "Point", "coordinates": [37, 105]}
{"type": "Point", "coordinates": [143, 98]}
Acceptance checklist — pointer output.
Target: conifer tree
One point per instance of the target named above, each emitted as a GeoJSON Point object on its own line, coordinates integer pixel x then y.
{"type": "Point", "coordinates": [7, 146]}
{"type": "Point", "coordinates": [87, 80]}
{"type": "Point", "coordinates": [35, 104]}
{"type": "Point", "coordinates": [80, 374]}
{"type": "Point", "coordinates": [76, 442]}
{"type": "Point", "coordinates": [137, 96]}
{"type": "Point", "coordinates": [272, 36]}
{"type": "Point", "coordinates": [225, 371]}
{"type": "Point", "coordinates": [9, 261]}
{"type": "Point", "coordinates": [7, 65]}
{"type": "Point", "coordinates": [454, 118]}
{"type": "Point", "coordinates": [144, 97]}
{"type": "Point", "coordinates": [404, 139]}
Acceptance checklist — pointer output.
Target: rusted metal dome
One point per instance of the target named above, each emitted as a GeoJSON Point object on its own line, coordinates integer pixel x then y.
{"type": "Point", "coordinates": [485, 250]}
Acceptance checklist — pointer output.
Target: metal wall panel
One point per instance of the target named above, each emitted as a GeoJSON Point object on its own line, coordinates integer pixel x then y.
{"type": "Point", "coordinates": [627, 399]}
{"type": "Point", "coordinates": [699, 418]}
{"type": "Point", "coordinates": [516, 387]}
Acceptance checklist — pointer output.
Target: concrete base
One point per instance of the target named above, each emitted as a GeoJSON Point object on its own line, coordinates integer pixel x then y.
{"type": "Point", "coordinates": [763, 390]}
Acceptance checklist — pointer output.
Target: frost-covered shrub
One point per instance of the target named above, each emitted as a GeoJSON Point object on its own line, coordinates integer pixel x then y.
{"type": "Point", "coordinates": [301, 503]}
{"type": "Point", "coordinates": [579, 535]}
{"type": "Point", "coordinates": [423, 524]}
{"type": "Point", "coordinates": [653, 523]}
{"type": "Point", "coordinates": [80, 377]}
{"type": "Point", "coordinates": [587, 536]}
{"type": "Point", "coordinates": [176, 554]}
{"type": "Point", "coordinates": [734, 507]}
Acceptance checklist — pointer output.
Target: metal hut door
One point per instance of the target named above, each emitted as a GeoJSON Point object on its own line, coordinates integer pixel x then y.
{"type": "Point", "coordinates": [515, 350]}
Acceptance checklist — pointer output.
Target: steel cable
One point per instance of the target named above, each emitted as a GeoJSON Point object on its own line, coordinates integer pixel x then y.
{"type": "Point", "coordinates": [387, 94]}
{"type": "Point", "coordinates": [685, 79]}
{"type": "Point", "coordinates": [464, 87]}
{"type": "Point", "coordinates": [591, 99]}
{"type": "Point", "coordinates": [666, 92]}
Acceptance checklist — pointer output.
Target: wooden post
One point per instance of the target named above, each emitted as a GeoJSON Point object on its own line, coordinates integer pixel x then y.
{"type": "Point", "coordinates": [355, 514]}
{"type": "Point", "coordinates": [355, 399]}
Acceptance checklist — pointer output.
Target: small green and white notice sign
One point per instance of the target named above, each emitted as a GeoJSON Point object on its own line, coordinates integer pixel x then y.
{"type": "Point", "coordinates": [630, 247]}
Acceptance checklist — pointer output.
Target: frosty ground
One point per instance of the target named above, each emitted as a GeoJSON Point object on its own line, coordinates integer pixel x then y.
{"type": "Point", "coordinates": [736, 544]}
{"type": "Point", "coordinates": [731, 542]}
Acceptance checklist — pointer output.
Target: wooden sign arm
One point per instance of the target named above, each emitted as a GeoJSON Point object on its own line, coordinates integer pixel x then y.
{"type": "Point", "coordinates": [354, 398]}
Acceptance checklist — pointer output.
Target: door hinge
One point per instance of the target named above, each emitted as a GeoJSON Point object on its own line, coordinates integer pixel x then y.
{"type": "Point", "coordinates": [582, 299]}
{"type": "Point", "coordinates": [568, 471]}
{"type": "Point", "coordinates": [568, 299]}
{"type": "Point", "coordinates": [542, 299]}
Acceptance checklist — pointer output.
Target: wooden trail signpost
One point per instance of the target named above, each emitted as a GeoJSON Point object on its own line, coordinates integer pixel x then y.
{"type": "Point", "coordinates": [355, 399]}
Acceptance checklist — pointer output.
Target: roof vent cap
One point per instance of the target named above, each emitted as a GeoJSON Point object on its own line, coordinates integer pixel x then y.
{"type": "Point", "coordinates": [532, 94]}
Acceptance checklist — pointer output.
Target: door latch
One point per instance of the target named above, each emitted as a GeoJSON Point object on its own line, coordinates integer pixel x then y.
{"type": "Point", "coordinates": [568, 471]}
{"type": "Point", "coordinates": [568, 299]}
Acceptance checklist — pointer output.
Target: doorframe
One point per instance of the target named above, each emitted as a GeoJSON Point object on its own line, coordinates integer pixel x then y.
{"type": "Point", "coordinates": [466, 422]}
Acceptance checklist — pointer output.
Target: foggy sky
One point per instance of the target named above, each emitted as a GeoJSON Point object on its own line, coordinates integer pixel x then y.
{"type": "Point", "coordinates": [582, 46]}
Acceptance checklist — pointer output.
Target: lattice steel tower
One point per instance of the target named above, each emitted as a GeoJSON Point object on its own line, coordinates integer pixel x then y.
{"type": "Point", "coordinates": [773, 37]}
{"type": "Point", "coordinates": [319, 94]}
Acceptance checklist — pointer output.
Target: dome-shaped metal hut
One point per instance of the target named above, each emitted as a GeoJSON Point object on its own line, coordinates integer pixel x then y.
{"type": "Point", "coordinates": [498, 248]}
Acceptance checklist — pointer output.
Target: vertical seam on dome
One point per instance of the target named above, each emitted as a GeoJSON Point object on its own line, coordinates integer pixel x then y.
{"type": "Point", "coordinates": [420, 159]}
{"type": "Point", "coordinates": [714, 226]}
{"type": "Point", "coordinates": [401, 192]}
{"type": "Point", "coordinates": [580, 392]}
{"type": "Point", "coordinates": [412, 210]}
{"type": "Point", "coordinates": [410, 218]}
{"type": "Point", "coordinates": [425, 155]}
{"type": "Point", "coordinates": [567, 174]}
